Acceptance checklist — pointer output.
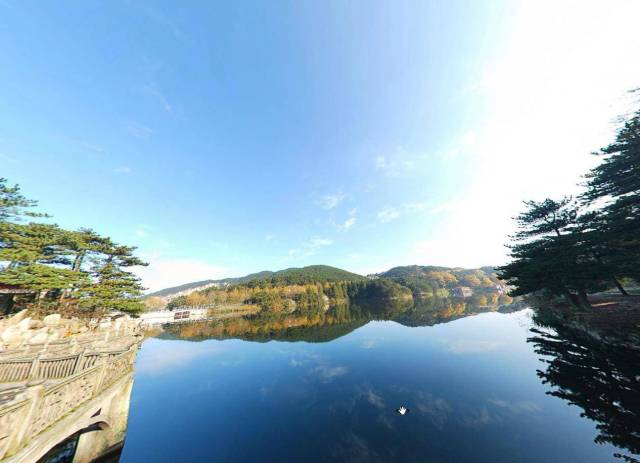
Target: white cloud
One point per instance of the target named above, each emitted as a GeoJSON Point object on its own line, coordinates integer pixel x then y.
{"type": "Point", "coordinates": [350, 222]}
{"type": "Point", "coordinates": [269, 237]}
{"type": "Point", "coordinates": [165, 272]}
{"type": "Point", "coordinates": [317, 242]}
{"type": "Point", "coordinates": [122, 170]}
{"type": "Point", "coordinates": [400, 162]}
{"type": "Point", "coordinates": [329, 201]}
{"type": "Point", "coordinates": [388, 214]}
{"type": "Point", "coordinates": [137, 129]}
{"type": "Point", "coordinates": [309, 248]}
{"type": "Point", "coordinates": [153, 90]}
{"type": "Point", "coordinates": [141, 233]}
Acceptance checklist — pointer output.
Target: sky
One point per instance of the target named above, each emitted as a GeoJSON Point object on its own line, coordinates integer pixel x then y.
{"type": "Point", "coordinates": [223, 138]}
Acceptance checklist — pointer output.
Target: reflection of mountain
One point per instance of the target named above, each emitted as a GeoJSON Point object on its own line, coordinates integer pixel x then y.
{"type": "Point", "coordinates": [602, 380]}
{"type": "Point", "coordinates": [319, 325]}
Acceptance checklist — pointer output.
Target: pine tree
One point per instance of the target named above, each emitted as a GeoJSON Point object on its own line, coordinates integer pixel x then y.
{"type": "Point", "coordinates": [549, 253]}
{"type": "Point", "coordinates": [616, 181]}
{"type": "Point", "coordinates": [113, 288]}
{"type": "Point", "coordinates": [13, 204]}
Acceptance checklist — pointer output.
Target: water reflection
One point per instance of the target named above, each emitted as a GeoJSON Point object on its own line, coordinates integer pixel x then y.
{"type": "Point", "coordinates": [320, 325]}
{"type": "Point", "coordinates": [463, 367]}
{"type": "Point", "coordinates": [603, 380]}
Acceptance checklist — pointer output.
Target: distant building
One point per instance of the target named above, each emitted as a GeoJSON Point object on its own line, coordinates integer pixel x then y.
{"type": "Point", "coordinates": [462, 291]}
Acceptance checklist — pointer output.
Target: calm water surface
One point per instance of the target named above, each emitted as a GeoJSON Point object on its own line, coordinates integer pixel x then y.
{"type": "Point", "coordinates": [471, 385]}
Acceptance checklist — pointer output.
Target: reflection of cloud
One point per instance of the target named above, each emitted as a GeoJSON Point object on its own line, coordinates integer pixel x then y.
{"type": "Point", "coordinates": [354, 449]}
{"type": "Point", "coordinates": [368, 343]}
{"type": "Point", "coordinates": [374, 399]}
{"type": "Point", "coordinates": [521, 406]}
{"type": "Point", "coordinates": [158, 360]}
{"type": "Point", "coordinates": [468, 346]}
{"type": "Point", "coordinates": [477, 418]}
{"type": "Point", "coordinates": [436, 408]}
{"type": "Point", "coordinates": [327, 373]}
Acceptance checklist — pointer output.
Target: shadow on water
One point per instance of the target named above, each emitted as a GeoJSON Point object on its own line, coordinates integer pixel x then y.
{"type": "Point", "coordinates": [602, 379]}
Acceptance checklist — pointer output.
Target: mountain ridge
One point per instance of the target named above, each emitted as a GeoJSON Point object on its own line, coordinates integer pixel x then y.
{"type": "Point", "coordinates": [420, 279]}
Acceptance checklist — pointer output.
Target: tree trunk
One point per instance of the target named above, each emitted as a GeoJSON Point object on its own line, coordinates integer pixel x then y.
{"type": "Point", "coordinates": [619, 286]}
{"type": "Point", "coordinates": [77, 263]}
{"type": "Point", "coordinates": [6, 303]}
{"type": "Point", "coordinates": [584, 300]}
{"type": "Point", "coordinates": [571, 298]}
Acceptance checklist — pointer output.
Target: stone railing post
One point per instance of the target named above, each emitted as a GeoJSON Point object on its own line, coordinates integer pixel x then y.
{"type": "Point", "coordinates": [103, 362]}
{"type": "Point", "coordinates": [33, 371]}
{"type": "Point", "coordinates": [34, 393]}
{"type": "Point", "coordinates": [80, 361]}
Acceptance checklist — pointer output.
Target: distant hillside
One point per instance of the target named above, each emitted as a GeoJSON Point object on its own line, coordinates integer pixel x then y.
{"type": "Point", "coordinates": [198, 285]}
{"type": "Point", "coordinates": [289, 276]}
{"type": "Point", "coordinates": [443, 281]}
{"type": "Point", "coordinates": [306, 275]}
{"type": "Point", "coordinates": [420, 279]}
{"type": "Point", "coordinates": [180, 289]}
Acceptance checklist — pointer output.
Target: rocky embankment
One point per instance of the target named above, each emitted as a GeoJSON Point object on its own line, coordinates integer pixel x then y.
{"type": "Point", "coordinates": [22, 330]}
{"type": "Point", "coordinates": [613, 320]}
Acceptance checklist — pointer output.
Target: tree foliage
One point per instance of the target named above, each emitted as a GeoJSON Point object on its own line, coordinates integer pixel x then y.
{"type": "Point", "coordinates": [58, 268]}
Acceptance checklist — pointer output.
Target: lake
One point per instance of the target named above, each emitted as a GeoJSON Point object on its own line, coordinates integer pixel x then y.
{"type": "Point", "coordinates": [328, 389]}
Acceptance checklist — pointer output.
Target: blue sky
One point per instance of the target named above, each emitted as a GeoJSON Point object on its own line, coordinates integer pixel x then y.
{"type": "Point", "coordinates": [223, 139]}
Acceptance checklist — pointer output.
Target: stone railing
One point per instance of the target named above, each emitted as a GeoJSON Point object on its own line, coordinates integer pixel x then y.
{"type": "Point", "coordinates": [40, 406]}
{"type": "Point", "coordinates": [45, 364]}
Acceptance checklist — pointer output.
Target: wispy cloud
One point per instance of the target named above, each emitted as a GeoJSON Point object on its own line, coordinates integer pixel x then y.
{"type": "Point", "coordinates": [310, 248]}
{"type": "Point", "coordinates": [269, 237]}
{"type": "Point", "coordinates": [330, 201]}
{"type": "Point", "coordinates": [398, 163]}
{"type": "Point", "coordinates": [122, 170]}
{"type": "Point", "coordinates": [153, 91]}
{"type": "Point", "coordinates": [87, 146]}
{"type": "Point", "coordinates": [388, 214]}
{"type": "Point", "coordinates": [141, 232]}
{"type": "Point", "coordinates": [350, 222]}
{"type": "Point", "coordinates": [138, 130]}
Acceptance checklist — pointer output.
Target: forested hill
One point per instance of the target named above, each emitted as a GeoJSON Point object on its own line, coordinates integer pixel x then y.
{"type": "Point", "coordinates": [440, 280]}
{"type": "Point", "coordinates": [289, 276]}
{"type": "Point", "coordinates": [307, 275]}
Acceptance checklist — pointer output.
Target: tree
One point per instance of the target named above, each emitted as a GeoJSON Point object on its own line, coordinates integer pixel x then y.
{"type": "Point", "coordinates": [177, 302]}
{"type": "Point", "coordinates": [69, 268]}
{"type": "Point", "coordinates": [113, 288]}
{"type": "Point", "coordinates": [13, 204]}
{"type": "Point", "coordinates": [616, 182]}
{"type": "Point", "coordinates": [549, 254]}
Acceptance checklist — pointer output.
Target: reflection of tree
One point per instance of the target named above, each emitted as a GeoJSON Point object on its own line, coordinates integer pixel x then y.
{"type": "Point", "coordinates": [433, 310]}
{"type": "Point", "coordinates": [602, 380]}
{"type": "Point", "coordinates": [318, 324]}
